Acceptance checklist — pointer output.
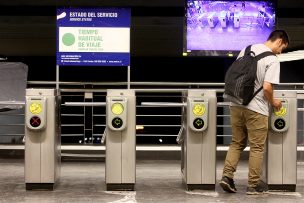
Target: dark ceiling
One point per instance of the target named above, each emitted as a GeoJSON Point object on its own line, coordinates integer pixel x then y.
{"type": "Point", "coordinates": [28, 27]}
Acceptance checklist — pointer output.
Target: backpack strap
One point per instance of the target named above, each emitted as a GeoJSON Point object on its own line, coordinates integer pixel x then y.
{"type": "Point", "coordinates": [264, 54]}
{"type": "Point", "coordinates": [247, 50]}
{"type": "Point", "coordinates": [258, 57]}
{"type": "Point", "coordinates": [256, 92]}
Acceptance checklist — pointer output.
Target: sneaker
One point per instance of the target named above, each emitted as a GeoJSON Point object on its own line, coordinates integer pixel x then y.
{"type": "Point", "coordinates": [260, 188]}
{"type": "Point", "coordinates": [228, 184]}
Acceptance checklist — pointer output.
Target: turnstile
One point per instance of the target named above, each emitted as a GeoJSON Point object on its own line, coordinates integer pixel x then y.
{"type": "Point", "coordinates": [42, 138]}
{"type": "Point", "coordinates": [281, 148]}
{"type": "Point", "coordinates": [121, 140]}
{"type": "Point", "coordinates": [199, 144]}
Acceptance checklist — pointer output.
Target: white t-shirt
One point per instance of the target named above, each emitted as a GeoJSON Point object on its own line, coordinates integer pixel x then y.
{"type": "Point", "coordinates": [268, 70]}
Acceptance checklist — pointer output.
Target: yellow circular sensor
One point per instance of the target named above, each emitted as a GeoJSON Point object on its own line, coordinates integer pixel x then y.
{"type": "Point", "coordinates": [117, 108]}
{"type": "Point", "coordinates": [281, 112]}
{"type": "Point", "coordinates": [199, 109]}
{"type": "Point", "coordinates": [35, 107]}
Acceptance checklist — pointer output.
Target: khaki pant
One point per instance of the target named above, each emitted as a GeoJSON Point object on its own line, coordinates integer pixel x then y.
{"type": "Point", "coordinates": [246, 124]}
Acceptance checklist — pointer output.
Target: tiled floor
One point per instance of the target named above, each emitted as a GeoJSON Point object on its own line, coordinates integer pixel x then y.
{"type": "Point", "coordinates": [157, 181]}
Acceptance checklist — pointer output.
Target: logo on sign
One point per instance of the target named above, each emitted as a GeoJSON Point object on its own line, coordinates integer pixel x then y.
{"type": "Point", "coordinates": [68, 39]}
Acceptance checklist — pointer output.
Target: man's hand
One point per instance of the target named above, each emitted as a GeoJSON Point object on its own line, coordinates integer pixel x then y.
{"type": "Point", "coordinates": [277, 104]}
{"type": "Point", "coordinates": [268, 93]}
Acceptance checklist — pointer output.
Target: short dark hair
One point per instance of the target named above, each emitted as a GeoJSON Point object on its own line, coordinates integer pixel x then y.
{"type": "Point", "coordinates": [279, 34]}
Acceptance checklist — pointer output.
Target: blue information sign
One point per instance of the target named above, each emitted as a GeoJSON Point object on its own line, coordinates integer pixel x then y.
{"type": "Point", "coordinates": [93, 37]}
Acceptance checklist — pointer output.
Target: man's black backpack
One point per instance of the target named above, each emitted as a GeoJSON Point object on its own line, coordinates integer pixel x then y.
{"type": "Point", "coordinates": [240, 77]}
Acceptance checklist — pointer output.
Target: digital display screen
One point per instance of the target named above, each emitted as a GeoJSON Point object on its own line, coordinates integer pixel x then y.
{"type": "Point", "coordinates": [223, 28]}
{"type": "Point", "coordinates": [93, 37]}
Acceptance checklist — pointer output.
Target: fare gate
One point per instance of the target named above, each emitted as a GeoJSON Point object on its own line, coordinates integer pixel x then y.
{"type": "Point", "coordinates": [199, 142]}
{"type": "Point", "coordinates": [281, 148]}
{"type": "Point", "coordinates": [42, 138]}
{"type": "Point", "coordinates": [120, 139]}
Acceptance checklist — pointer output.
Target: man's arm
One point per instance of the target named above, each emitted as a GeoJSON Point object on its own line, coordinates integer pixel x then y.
{"type": "Point", "coordinates": [268, 93]}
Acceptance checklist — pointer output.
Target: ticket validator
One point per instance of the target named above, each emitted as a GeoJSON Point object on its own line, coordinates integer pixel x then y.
{"type": "Point", "coordinates": [199, 145]}
{"type": "Point", "coordinates": [42, 138]}
{"type": "Point", "coordinates": [281, 149]}
{"type": "Point", "coordinates": [121, 140]}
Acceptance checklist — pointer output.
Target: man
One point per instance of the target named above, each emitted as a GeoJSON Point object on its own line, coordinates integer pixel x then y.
{"type": "Point", "coordinates": [243, 5]}
{"type": "Point", "coordinates": [251, 122]}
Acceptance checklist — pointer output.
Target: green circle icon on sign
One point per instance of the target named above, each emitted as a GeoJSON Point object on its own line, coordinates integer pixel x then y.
{"type": "Point", "coordinates": [68, 39]}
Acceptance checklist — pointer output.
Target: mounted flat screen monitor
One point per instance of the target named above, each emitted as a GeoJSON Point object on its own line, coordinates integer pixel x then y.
{"type": "Point", "coordinates": [223, 28]}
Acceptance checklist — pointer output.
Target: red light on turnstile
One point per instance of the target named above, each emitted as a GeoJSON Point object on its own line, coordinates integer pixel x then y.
{"type": "Point", "coordinates": [35, 121]}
